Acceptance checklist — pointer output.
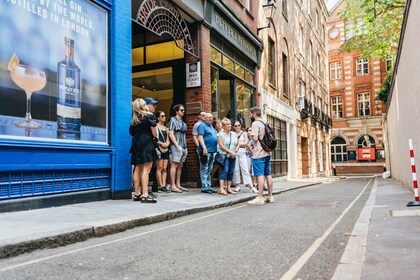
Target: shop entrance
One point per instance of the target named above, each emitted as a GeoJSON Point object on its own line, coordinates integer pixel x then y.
{"type": "Point", "coordinates": [231, 97]}
{"type": "Point", "coordinates": [158, 69]}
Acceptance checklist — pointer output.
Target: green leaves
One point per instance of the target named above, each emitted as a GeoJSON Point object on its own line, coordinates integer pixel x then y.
{"type": "Point", "coordinates": [376, 26]}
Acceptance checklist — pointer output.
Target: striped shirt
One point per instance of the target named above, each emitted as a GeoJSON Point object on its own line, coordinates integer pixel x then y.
{"type": "Point", "coordinates": [180, 131]}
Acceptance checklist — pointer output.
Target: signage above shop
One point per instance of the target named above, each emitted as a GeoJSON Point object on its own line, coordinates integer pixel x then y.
{"type": "Point", "coordinates": [231, 34]}
{"type": "Point", "coordinates": [193, 74]}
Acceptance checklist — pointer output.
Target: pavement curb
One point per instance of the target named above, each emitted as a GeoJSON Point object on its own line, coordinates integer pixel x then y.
{"type": "Point", "coordinates": [13, 250]}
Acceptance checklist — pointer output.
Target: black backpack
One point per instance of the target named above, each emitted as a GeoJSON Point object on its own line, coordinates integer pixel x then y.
{"type": "Point", "coordinates": [268, 142]}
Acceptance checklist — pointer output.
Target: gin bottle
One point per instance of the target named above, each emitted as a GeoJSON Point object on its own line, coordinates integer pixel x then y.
{"type": "Point", "coordinates": [68, 101]}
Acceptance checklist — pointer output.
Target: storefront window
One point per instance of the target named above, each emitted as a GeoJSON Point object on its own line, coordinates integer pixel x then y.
{"type": "Point", "coordinates": [228, 64]}
{"type": "Point", "coordinates": [216, 56]}
{"type": "Point", "coordinates": [249, 77]}
{"type": "Point", "coordinates": [226, 107]}
{"type": "Point", "coordinates": [239, 71]}
{"type": "Point", "coordinates": [243, 103]}
{"type": "Point", "coordinates": [214, 89]}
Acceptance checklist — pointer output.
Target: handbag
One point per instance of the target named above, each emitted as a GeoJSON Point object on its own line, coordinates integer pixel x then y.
{"type": "Point", "coordinates": [219, 159]}
{"type": "Point", "coordinates": [161, 149]}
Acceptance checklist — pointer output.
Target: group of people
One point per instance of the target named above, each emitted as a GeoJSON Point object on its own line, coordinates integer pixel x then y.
{"type": "Point", "coordinates": [235, 153]}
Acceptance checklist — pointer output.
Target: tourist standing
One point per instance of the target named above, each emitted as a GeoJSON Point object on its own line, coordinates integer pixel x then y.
{"type": "Point", "coordinates": [261, 159]}
{"type": "Point", "coordinates": [241, 165]}
{"type": "Point", "coordinates": [178, 136]}
{"type": "Point", "coordinates": [228, 147]}
{"type": "Point", "coordinates": [202, 117]}
{"type": "Point", "coordinates": [207, 138]}
{"type": "Point", "coordinates": [163, 146]}
{"type": "Point", "coordinates": [143, 151]}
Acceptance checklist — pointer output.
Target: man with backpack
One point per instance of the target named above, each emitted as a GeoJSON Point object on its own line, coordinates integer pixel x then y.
{"type": "Point", "coordinates": [261, 134]}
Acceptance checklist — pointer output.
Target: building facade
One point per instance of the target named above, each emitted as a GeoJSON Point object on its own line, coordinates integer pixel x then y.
{"type": "Point", "coordinates": [402, 119]}
{"type": "Point", "coordinates": [357, 136]}
{"type": "Point", "coordinates": [294, 88]}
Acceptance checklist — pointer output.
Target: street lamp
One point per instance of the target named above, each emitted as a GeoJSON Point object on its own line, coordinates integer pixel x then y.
{"type": "Point", "coordinates": [269, 10]}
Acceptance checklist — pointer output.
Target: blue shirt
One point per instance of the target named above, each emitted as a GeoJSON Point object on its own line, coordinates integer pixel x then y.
{"type": "Point", "coordinates": [209, 136]}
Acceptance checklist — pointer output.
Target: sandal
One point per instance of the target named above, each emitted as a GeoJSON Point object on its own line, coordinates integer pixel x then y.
{"type": "Point", "coordinates": [222, 192]}
{"type": "Point", "coordinates": [183, 189]}
{"type": "Point", "coordinates": [230, 191]}
{"type": "Point", "coordinates": [147, 199]}
{"type": "Point", "coordinates": [136, 197]}
{"type": "Point", "coordinates": [176, 190]}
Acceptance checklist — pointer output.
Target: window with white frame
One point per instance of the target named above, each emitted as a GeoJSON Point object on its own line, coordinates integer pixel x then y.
{"type": "Point", "coordinates": [312, 101]}
{"type": "Point", "coordinates": [310, 53]}
{"type": "Point", "coordinates": [337, 107]}
{"type": "Point", "coordinates": [362, 66]}
{"type": "Point", "coordinates": [301, 40]}
{"type": "Point", "coordinates": [335, 70]}
{"type": "Point", "coordinates": [338, 150]}
{"type": "Point", "coordinates": [248, 5]}
{"type": "Point", "coordinates": [363, 104]}
{"type": "Point", "coordinates": [302, 88]}
{"type": "Point", "coordinates": [390, 62]}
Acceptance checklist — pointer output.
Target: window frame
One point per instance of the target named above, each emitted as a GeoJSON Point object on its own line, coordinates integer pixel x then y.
{"type": "Point", "coordinates": [342, 153]}
{"type": "Point", "coordinates": [271, 62]}
{"type": "Point", "coordinates": [362, 66]}
{"type": "Point", "coordinates": [285, 66]}
{"type": "Point", "coordinates": [337, 107]}
{"type": "Point", "coordinates": [336, 69]}
{"type": "Point", "coordinates": [363, 104]}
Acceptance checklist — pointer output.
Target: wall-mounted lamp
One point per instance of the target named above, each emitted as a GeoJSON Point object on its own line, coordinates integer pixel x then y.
{"type": "Point", "coordinates": [269, 10]}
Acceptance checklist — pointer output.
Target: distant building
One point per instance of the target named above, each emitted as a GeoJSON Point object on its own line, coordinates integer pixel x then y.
{"type": "Point", "coordinates": [357, 135]}
{"type": "Point", "coordinates": [293, 88]}
{"type": "Point", "coordinates": [402, 117]}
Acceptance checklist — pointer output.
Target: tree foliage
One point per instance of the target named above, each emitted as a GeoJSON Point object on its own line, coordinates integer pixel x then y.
{"type": "Point", "coordinates": [374, 24]}
{"type": "Point", "coordinates": [386, 88]}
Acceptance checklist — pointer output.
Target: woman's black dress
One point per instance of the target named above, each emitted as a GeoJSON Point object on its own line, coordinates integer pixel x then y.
{"type": "Point", "coordinates": [143, 147]}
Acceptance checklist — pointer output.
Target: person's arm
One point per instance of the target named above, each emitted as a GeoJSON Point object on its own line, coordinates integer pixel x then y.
{"type": "Point", "coordinates": [254, 133]}
{"type": "Point", "coordinates": [202, 143]}
{"type": "Point", "coordinates": [173, 139]}
{"type": "Point", "coordinates": [195, 140]}
{"type": "Point", "coordinates": [168, 142]}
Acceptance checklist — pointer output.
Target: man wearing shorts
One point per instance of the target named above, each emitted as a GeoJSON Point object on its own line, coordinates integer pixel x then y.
{"type": "Point", "coordinates": [178, 136]}
{"type": "Point", "coordinates": [261, 159]}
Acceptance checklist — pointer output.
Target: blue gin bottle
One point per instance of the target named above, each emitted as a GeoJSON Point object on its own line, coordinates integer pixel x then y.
{"type": "Point", "coordinates": [68, 101]}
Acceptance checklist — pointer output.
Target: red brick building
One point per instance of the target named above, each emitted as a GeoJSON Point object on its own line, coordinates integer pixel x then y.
{"type": "Point", "coordinates": [356, 137]}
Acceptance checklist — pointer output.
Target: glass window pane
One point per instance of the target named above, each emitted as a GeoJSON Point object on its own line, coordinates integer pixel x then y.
{"type": "Point", "coordinates": [240, 71]}
{"type": "Point", "coordinates": [215, 56]}
{"type": "Point", "coordinates": [228, 64]}
{"type": "Point", "coordinates": [243, 102]}
{"type": "Point", "coordinates": [249, 77]}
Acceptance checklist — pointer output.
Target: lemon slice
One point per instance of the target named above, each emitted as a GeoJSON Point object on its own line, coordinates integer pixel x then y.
{"type": "Point", "coordinates": [14, 60]}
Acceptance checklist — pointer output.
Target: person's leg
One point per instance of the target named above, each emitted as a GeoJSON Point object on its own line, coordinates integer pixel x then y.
{"type": "Point", "coordinates": [164, 172]}
{"type": "Point", "coordinates": [178, 174]}
{"type": "Point", "coordinates": [236, 174]}
{"type": "Point", "coordinates": [231, 169]}
{"type": "Point", "coordinates": [183, 159]}
{"type": "Point", "coordinates": [210, 160]}
{"type": "Point", "coordinates": [173, 172]}
{"type": "Point", "coordinates": [136, 179]}
{"type": "Point", "coordinates": [159, 170]}
{"type": "Point", "coordinates": [244, 169]}
{"type": "Point", "coordinates": [268, 178]}
{"type": "Point", "coordinates": [223, 177]}
{"type": "Point", "coordinates": [203, 173]}
{"type": "Point", "coordinates": [145, 178]}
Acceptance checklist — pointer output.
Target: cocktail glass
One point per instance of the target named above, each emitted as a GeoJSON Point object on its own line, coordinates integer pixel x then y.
{"type": "Point", "coordinates": [29, 79]}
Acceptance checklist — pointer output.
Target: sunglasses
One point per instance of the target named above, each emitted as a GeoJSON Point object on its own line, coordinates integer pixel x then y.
{"type": "Point", "coordinates": [237, 125]}
{"type": "Point", "coordinates": [162, 116]}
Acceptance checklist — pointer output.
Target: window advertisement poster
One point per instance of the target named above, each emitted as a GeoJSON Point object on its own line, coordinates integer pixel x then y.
{"type": "Point", "coordinates": [53, 71]}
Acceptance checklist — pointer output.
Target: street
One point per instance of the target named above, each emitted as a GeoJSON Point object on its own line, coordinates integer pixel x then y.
{"type": "Point", "coordinates": [300, 236]}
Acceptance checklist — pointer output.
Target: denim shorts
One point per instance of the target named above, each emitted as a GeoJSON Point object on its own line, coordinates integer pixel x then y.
{"type": "Point", "coordinates": [180, 155]}
{"type": "Point", "coordinates": [261, 166]}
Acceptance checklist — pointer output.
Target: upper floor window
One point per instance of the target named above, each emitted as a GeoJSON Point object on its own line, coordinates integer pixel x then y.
{"type": "Point", "coordinates": [335, 70]}
{"type": "Point", "coordinates": [390, 62]}
{"type": "Point", "coordinates": [337, 107]}
{"type": "Point", "coordinates": [284, 7]}
{"type": "Point", "coordinates": [285, 66]}
{"type": "Point", "coordinates": [363, 104]}
{"type": "Point", "coordinates": [248, 5]}
{"type": "Point", "coordinates": [309, 7]}
{"type": "Point", "coordinates": [362, 66]}
{"type": "Point", "coordinates": [302, 88]}
{"type": "Point", "coordinates": [318, 65]}
{"type": "Point", "coordinates": [310, 53]}
{"type": "Point", "coordinates": [301, 39]}
{"type": "Point", "coordinates": [271, 62]}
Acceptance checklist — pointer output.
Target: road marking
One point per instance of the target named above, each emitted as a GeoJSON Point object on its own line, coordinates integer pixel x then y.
{"type": "Point", "coordinates": [294, 269]}
{"type": "Point", "coordinates": [116, 240]}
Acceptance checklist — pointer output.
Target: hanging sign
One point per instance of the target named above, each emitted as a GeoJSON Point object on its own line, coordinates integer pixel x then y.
{"type": "Point", "coordinates": [193, 74]}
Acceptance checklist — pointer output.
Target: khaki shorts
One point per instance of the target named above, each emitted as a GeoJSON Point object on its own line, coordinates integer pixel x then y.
{"type": "Point", "coordinates": [179, 155]}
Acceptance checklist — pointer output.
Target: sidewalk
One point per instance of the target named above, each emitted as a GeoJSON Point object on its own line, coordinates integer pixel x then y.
{"type": "Point", "coordinates": [25, 231]}
{"type": "Point", "coordinates": [385, 242]}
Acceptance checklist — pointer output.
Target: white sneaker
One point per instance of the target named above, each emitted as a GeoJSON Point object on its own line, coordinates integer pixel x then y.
{"type": "Point", "coordinates": [236, 189]}
{"type": "Point", "coordinates": [257, 201]}
{"type": "Point", "coordinates": [269, 199]}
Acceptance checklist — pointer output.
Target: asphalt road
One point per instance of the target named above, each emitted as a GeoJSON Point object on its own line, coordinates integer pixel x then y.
{"type": "Point", "coordinates": [300, 236]}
